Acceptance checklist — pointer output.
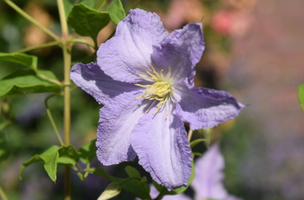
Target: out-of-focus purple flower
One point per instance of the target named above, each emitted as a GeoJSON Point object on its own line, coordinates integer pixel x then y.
{"type": "Point", "coordinates": [144, 78]}
{"type": "Point", "coordinates": [207, 182]}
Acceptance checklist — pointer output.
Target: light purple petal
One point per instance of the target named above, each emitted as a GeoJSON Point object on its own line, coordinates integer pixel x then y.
{"type": "Point", "coordinates": [90, 78]}
{"type": "Point", "coordinates": [205, 108]}
{"type": "Point", "coordinates": [163, 149]}
{"type": "Point", "coordinates": [117, 119]}
{"type": "Point", "coordinates": [129, 52]}
{"type": "Point", "coordinates": [208, 178]}
{"type": "Point", "coordinates": [181, 51]}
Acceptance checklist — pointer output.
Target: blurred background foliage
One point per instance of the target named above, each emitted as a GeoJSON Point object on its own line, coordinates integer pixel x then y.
{"type": "Point", "coordinates": [255, 145]}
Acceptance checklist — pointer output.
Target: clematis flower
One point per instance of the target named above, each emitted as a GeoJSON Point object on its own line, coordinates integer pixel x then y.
{"type": "Point", "coordinates": [207, 182]}
{"type": "Point", "coordinates": [144, 79]}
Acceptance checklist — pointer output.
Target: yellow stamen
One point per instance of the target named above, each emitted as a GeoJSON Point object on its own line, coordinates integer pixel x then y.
{"type": "Point", "coordinates": [160, 90]}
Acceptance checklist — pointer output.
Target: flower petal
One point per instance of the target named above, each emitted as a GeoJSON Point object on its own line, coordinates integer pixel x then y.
{"type": "Point", "coordinates": [117, 119]}
{"type": "Point", "coordinates": [163, 149]}
{"type": "Point", "coordinates": [205, 108]}
{"type": "Point", "coordinates": [208, 177]}
{"type": "Point", "coordinates": [90, 78]}
{"type": "Point", "coordinates": [129, 52]}
{"type": "Point", "coordinates": [181, 51]}
{"type": "Point", "coordinates": [207, 182]}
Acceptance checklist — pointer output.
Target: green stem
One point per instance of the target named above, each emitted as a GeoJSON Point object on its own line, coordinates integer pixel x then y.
{"type": "Point", "coordinates": [29, 18]}
{"type": "Point", "coordinates": [80, 175]}
{"type": "Point", "coordinates": [2, 194]}
{"type": "Point", "coordinates": [100, 4]}
{"type": "Point", "coordinates": [50, 44]}
{"type": "Point", "coordinates": [48, 111]}
{"type": "Point", "coordinates": [66, 48]}
{"type": "Point", "coordinates": [83, 42]}
{"type": "Point", "coordinates": [190, 134]}
{"type": "Point", "coordinates": [47, 78]}
{"type": "Point", "coordinates": [161, 194]}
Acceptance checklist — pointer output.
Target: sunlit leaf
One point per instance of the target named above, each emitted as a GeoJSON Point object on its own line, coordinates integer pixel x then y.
{"type": "Point", "coordinates": [20, 58]}
{"type": "Point", "coordinates": [49, 157]}
{"type": "Point", "coordinates": [66, 155]}
{"type": "Point", "coordinates": [88, 152]}
{"type": "Point", "coordinates": [87, 21]}
{"type": "Point", "coordinates": [117, 12]}
{"type": "Point", "coordinates": [111, 191]}
{"type": "Point", "coordinates": [26, 82]}
{"type": "Point", "coordinates": [301, 95]}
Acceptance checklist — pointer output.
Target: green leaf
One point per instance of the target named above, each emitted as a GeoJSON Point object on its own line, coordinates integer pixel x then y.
{"type": "Point", "coordinates": [136, 186]}
{"type": "Point", "coordinates": [301, 95]}
{"type": "Point", "coordinates": [25, 82]}
{"type": "Point", "coordinates": [111, 191]}
{"type": "Point", "coordinates": [69, 152]}
{"type": "Point", "coordinates": [87, 21]}
{"type": "Point", "coordinates": [49, 157]}
{"type": "Point", "coordinates": [68, 5]}
{"type": "Point", "coordinates": [117, 12]}
{"type": "Point", "coordinates": [132, 172]}
{"type": "Point", "coordinates": [102, 173]}
{"type": "Point", "coordinates": [20, 58]}
{"type": "Point", "coordinates": [178, 190]}
{"type": "Point", "coordinates": [88, 152]}
{"type": "Point", "coordinates": [4, 150]}
{"type": "Point", "coordinates": [66, 155]}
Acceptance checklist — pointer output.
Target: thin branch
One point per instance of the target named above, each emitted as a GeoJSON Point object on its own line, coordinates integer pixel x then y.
{"type": "Point", "coordinates": [31, 19]}
{"type": "Point", "coordinates": [161, 194]}
{"type": "Point", "coordinates": [190, 134]}
{"type": "Point", "coordinates": [50, 44]}
{"type": "Point", "coordinates": [52, 120]}
{"type": "Point", "coordinates": [83, 42]}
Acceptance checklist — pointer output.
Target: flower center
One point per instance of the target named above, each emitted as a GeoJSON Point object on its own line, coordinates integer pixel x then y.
{"type": "Point", "coordinates": [161, 90]}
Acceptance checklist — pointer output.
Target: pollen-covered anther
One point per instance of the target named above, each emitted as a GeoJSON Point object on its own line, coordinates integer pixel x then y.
{"type": "Point", "coordinates": [160, 90]}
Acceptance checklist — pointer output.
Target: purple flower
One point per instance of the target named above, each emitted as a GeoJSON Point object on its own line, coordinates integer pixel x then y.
{"type": "Point", "coordinates": [207, 182]}
{"type": "Point", "coordinates": [144, 79]}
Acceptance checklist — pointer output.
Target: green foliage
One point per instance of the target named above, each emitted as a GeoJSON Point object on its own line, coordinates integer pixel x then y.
{"type": "Point", "coordinates": [132, 172]}
{"type": "Point", "coordinates": [178, 190]}
{"type": "Point", "coordinates": [116, 10]}
{"type": "Point", "coordinates": [111, 191]}
{"type": "Point", "coordinates": [135, 184]}
{"type": "Point", "coordinates": [301, 95]}
{"type": "Point", "coordinates": [26, 82]}
{"type": "Point", "coordinates": [88, 152]}
{"type": "Point", "coordinates": [20, 58]}
{"type": "Point", "coordinates": [4, 149]}
{"type": "Point", "coordinates": [68, 4]}
{"type": "Point", "coordinates": [66, 155]}
{"type": "Point", "coordinates": [87, 21]}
